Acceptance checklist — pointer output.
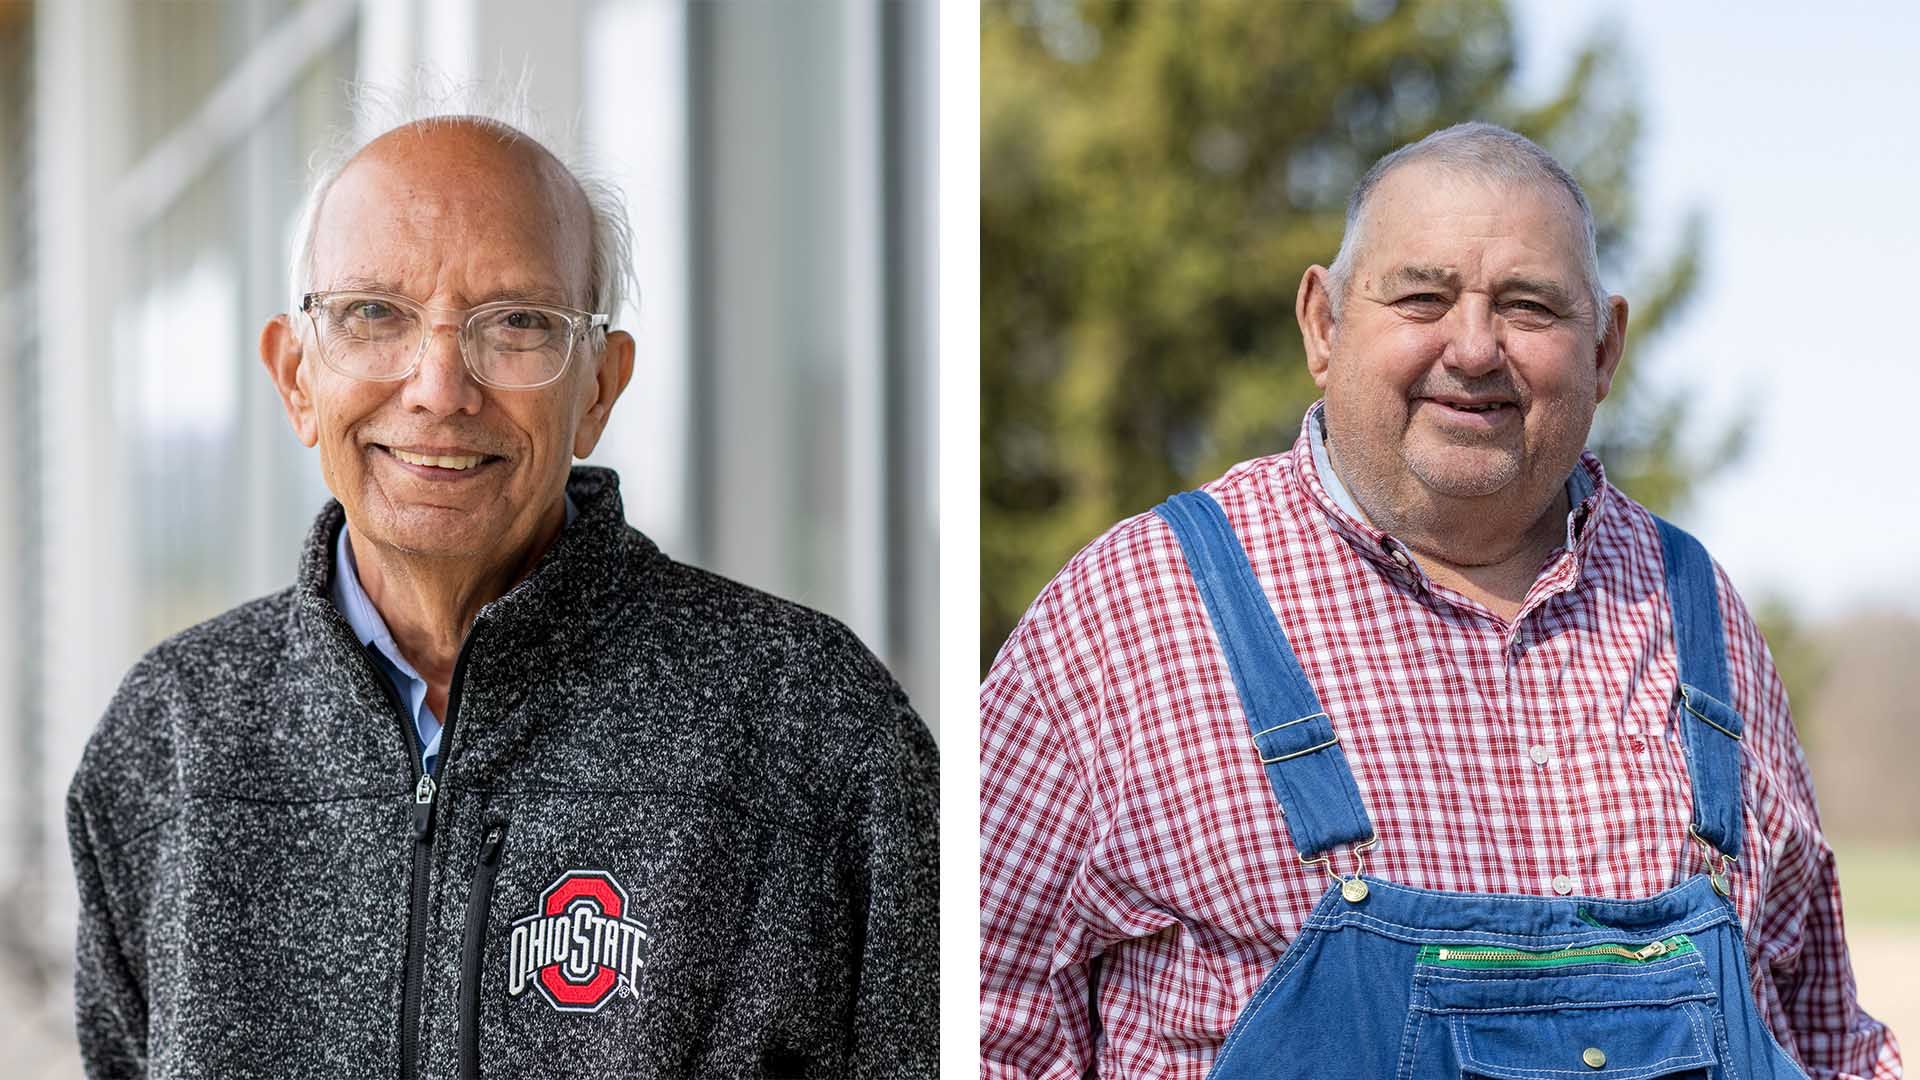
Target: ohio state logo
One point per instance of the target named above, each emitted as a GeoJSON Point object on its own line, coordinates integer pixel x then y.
{"type": "Point", "coordinates": [578, 947]}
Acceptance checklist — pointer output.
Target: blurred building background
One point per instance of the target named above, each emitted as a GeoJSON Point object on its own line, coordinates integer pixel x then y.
{"type": "Point", "coordinates": [778, 164]}
{"type": "Point", "coordinates": [1156, 177]}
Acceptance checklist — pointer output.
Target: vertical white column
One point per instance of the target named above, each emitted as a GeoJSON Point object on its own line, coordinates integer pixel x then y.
{"type": "Point", "coordinates": [389, 46]}
{"type": "Point", "coordinates": [634, 104]}
{"type": "Point", "coordinates": [866, 291]}
{"type": "Point", "coordinates": [19, 808]}
{"type": "Point", "coordinates": [85, 549]}
{"type": "Point", "coordinates": [449, 38]}
{"type": "Point", "coordinates": [269, 520]}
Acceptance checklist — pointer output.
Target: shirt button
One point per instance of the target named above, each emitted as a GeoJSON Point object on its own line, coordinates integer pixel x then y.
{"type": "Point", "coordinates": [1540, 755]}
{"type": "Point", "coordinates": [1400, 557]}
{"type": "Point", "coordinates": [1563, 885]}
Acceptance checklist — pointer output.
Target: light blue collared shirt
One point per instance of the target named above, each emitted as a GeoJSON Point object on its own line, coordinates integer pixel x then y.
{"type": "Point", "coordinates": [1579, 483]}
{"type": "Point", "coordinates": [371, 629]}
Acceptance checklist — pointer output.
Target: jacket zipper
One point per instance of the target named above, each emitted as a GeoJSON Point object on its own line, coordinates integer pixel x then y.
{"type": "Point", "coordinates": [425, 790]}
{"type": "Point", "coordinates": [479, 904]}
{"type": "Point", "coordinates": [1479, 957]}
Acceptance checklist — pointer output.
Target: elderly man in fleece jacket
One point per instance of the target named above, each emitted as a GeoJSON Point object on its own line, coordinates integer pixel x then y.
{"type": "Point", "coordinates": [496, 786]}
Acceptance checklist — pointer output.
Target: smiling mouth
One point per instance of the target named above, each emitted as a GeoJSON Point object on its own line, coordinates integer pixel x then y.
{"type": "Point", "coordinates": [452, 463]}
{"type": "Point", "coordinates": [1472, 407]}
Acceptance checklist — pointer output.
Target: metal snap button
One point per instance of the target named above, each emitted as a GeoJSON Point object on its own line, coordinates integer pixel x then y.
{"type": "Point", "coordinates": [1353, 890]}
{"type": "Point", "coordinates": [1594, 1057]}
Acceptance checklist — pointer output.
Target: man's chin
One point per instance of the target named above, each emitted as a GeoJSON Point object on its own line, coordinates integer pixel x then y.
{"type": "Point", "coordinates": [1465, 474]}
{"type": "Point", "coordinates": [434, 532]}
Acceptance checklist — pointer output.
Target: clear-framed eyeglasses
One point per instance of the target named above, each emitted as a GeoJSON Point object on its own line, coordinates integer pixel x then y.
{"type": "Point", "coordinates": [508, 344]}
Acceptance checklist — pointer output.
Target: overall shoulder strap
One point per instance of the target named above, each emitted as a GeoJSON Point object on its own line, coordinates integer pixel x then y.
{"type": "Point", "coordinates": [1291, 732]}
{"type": "Point", "coordinates": [1712, 729]}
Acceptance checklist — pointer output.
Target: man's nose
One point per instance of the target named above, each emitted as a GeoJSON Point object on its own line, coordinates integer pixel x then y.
{"type": "Point", "coordinates": [442, 385]}
{"type": "Point", "coordinates": [1474, 347]}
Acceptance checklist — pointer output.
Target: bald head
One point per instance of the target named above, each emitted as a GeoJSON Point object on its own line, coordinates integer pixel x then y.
{"type": "Point", "coordinates": [450, 183]}
{"type": "Point", "coordinates": [473, 150]}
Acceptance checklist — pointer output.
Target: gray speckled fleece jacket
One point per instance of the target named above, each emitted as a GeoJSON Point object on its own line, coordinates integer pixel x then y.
{"type": "Point", "coordinates": [680, 829]}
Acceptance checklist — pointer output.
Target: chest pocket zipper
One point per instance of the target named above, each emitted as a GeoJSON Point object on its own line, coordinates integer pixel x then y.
{"type": "Point", "coordinates": [1475, 956]}
{"type": "Point", "coordinates": [479, 904]}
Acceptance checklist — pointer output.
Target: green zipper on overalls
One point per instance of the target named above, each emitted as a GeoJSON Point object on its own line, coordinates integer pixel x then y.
{"type": "Point", "coordinates": [1478, 956]}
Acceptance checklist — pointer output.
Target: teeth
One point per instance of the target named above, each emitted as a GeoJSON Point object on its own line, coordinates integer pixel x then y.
{"type": "Point", "coordinates": [463, 462]}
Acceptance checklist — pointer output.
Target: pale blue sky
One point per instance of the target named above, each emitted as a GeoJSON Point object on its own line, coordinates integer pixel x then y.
{"type": "Point", "coordinates": [1797, 135]}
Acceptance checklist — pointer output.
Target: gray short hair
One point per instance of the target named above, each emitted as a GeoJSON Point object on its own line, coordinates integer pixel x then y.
{"type": "Point", "coordinates": [500, 107]}
{"type": "Point", "coordinates": [1485, 152]}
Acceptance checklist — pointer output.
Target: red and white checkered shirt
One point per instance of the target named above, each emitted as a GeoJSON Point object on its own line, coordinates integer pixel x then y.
{"type": "Point", "coordinates": [1124, 811]}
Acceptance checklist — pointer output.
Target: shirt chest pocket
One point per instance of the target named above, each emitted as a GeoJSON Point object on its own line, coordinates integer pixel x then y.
{"type": "Point", "coordinates": [669, 936]}
{"type": "Point", "coordinates": [1500, 1015]}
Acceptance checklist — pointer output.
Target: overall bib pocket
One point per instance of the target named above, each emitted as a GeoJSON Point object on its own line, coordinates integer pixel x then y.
{"type": "Point", "coordinates": [1614, 1010]}
{"type": "Point", "coordinates": [1625, 1042]}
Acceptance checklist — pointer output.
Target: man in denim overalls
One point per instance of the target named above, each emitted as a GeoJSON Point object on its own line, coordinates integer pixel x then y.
{"type": "Point", "coordinates": [1528, 862]}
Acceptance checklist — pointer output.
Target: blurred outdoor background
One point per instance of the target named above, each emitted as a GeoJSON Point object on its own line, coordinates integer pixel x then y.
{"type": "Point", "coordinates": [779, 165]}
{"type": "Point", "coordinates": [1156, 176]}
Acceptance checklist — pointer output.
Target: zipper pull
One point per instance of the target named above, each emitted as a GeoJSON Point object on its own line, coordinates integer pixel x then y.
{"type": "Point", "coordinates": [1658, 948]}
{"type": "Point", "coordinates": [490, 847]}
{"type": "Point", "coordinates": [423, 808]}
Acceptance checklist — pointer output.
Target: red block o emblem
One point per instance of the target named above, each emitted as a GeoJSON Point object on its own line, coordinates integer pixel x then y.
{"type": "Point", "coordinates": [579, 946]}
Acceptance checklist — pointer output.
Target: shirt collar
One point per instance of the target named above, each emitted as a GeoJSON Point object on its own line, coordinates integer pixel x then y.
{"type": "Point", "coordinates": [1587, 496]}
{"type": "Point", "coordinates": [354, 603]}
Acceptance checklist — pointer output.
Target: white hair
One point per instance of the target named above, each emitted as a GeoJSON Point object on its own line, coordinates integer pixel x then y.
{"type": "Point", "coordinates": [500, 107]}
{"type": "Point", "coordinates": [1485, 152]}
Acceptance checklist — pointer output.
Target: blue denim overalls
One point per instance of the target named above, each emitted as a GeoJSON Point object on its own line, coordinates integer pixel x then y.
{"type": "Point", "coordinates": [1386, 982]}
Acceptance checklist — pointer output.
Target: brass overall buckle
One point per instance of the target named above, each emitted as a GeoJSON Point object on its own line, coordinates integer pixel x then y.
{"type": "Point", "coordinates": [1352, 889]}
{"type": "Point", "coordinates": [1720, 875]}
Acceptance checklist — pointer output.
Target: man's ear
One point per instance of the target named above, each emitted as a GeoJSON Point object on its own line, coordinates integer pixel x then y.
{"type": "Point", "coordinates": [283, 354]}
{"type": "Point", "coordinates": [1606, 354]}
{"type": "Point", "coordinates": [609, 379]}
{"type": "Point", "coordinates": [1313, 308]}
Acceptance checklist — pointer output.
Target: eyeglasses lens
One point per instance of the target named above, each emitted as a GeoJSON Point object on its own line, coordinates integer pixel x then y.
{"type": "Point", "coordinates": [373, 337]}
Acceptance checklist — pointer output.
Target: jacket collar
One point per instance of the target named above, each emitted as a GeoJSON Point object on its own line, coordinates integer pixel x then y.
{"type": "Point", "coordinates": [557, 608]}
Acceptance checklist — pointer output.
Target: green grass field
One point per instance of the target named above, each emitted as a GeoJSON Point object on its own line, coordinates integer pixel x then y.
{"type": "Point", "coordinates": [1880, 888]}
